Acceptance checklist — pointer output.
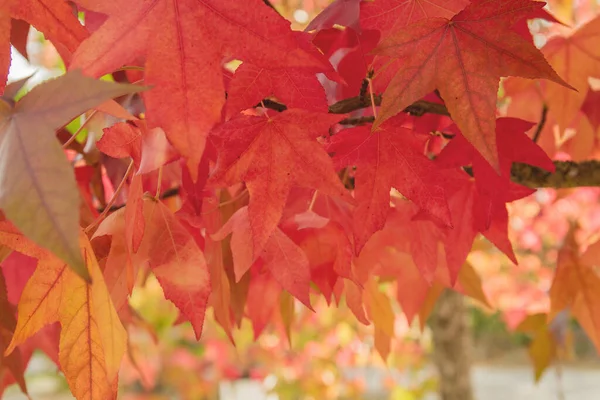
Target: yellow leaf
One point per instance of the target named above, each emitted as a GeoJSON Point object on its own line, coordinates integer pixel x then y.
{"type": "Point", "coordinates": [286, 306]}
{"type": "Point", "coordinates": [543, 348]}
{"type": "Point", "coordinates": [381, 314]}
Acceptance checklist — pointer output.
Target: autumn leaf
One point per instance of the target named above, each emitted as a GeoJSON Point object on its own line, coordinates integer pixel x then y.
{"type": "Point", "coordinates": [296, 88]}
{"type": "Point", "coordinates": [287, 311]}
{"type": "Point", "coordinates": [513, 146]}
{"type": "Point", "coordinates": [391, 158]}
{"type": "Point", "coordinates": [13, 362]}
{"type": "Point", "coordinates": [381, 314]}
{"type": "Point", "coordinates": [577, 286]}
{"type": "Point", "coordinates": [327, 247]}
{"type": "Point", "coordinates": [92, 339]}
{"type": "Point", "coordinates": [118, 267]}
{"type": "Point", "coordinates": [591, 107]}
{"type": "Point", "coordinates": [542, 349]}
{"type": "Point", "coordinates": [263, 300]}
{"type": "Point", "coordinates": [390, 15]}
{"type": "Point", "coordinates": [148, 148]}
{"type": "Point", "coordinates": [212, 29]}
{"type": "Point", "coordinates": [134, 215]}
{"type": "Point", "coordinates": [464, 58]}
{"type": "Point", "coordinates": [38, 192]}
{"type": "Point", "coordinates": [356, 49]}
{"type": "Point", "coordinates": [574, 57]}
{"type": "Point", "coordinates": [176, 261]}
{"type": "Point", "coordinates": [271, 154]}
{"type": "Point", "coordinates": [172, 254]}
{"type": "Point", "coordinates": [54, 19]}
{"type": "Point", "coordinates": [285, 261]}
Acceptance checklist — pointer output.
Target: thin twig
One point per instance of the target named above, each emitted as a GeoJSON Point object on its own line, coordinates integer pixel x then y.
{"type": "Point", "coordinates": [372, 97]}
{"type": "Point", "coordinates": [541, 124]}
{"type": "Point", "coordinates": [83, 125]}
{"type": "Point", "coordinates": [112, 200]}
{"type": "Point", "coordinates": [313, 200]}
{"type": "Point", "coordinates": [159, 182]}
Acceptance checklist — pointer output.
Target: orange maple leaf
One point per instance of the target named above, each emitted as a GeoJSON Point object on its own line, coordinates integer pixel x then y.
{"type": "Point", "coordinates": [92, 339]}
{"type": "Point", "coordinates": [575, 58]}
{"type": "Point", "coordinates": [576, 285]}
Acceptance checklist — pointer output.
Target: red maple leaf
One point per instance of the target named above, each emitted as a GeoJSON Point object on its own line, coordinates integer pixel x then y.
{"type": "Point", "coordinates": [390, 15]}
{"type": "Point", "coordinates": [390, 157]}
{"type": "Point", "coordinates": [271, 154]}
{"type": "Point", "coordinates": [280, 256]}
{"type": "Point", "coordinates": [464, 58]}
{"type": "Point", "coordinates": [184, 44]}
{"type": "Point", "coordinates": [513, 146]}
{"type": "Point", "coordinates": [148, 148]}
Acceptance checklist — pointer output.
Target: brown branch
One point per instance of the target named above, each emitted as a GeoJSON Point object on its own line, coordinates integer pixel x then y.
{"type": "Point", "coordinates": [357, 120]}
{"type": "Point", "coordinates": [345, 106]}
{"type": "Point", "coordinates": [568, 174]}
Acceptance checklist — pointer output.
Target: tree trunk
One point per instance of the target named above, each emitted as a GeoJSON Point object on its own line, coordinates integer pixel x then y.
{"type": "Point", "coordinates": [452, 346]}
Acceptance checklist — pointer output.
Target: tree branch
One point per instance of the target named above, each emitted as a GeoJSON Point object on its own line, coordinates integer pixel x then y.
{"type": "Point", "coordinates": [345, 106]}
{"type": "Point", "coordinates": [569, 174]}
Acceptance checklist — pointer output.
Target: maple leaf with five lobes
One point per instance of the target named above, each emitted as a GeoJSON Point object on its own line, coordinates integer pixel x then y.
{"type": "Point", "coordinates": [184, 43]}
{"type": "Point", "coordinates": [92, 338]}
{"type": "Point", "coordinates": [464, 58]}
{"type": "Point", "coordinates": [576, 286]}
{"type": "Point", "coordinates": [38, 191]}
{"type": "Point", "coordinates": [392, 157]}
{"type": "Point", "coordinates": [271, 154]}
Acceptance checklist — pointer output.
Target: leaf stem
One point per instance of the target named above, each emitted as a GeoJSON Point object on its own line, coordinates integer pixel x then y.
{"type": "Point", "coordinates": [313, 200]}
{"type": "Point", "coordinates": [372, 97]}
{"type": "Point", "coordinates": [159, 183]}
{"type": "Point", "coordinates": [112, 200]}
{"type": "Point", "coordinates": [230, 201]}
{"type": "Point", "coordinates": [83, 125]}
